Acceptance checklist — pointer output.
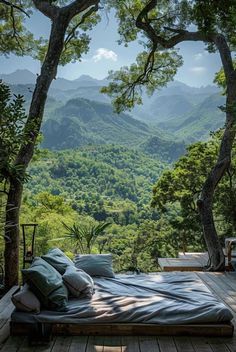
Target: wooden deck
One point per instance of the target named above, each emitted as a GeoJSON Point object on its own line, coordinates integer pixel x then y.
{"type": "Point", "coordinates": [184, 262]}
{"type": "Point", "coordinates": [223, 285]}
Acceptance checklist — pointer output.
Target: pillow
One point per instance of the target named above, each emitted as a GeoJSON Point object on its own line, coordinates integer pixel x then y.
{"type": "Point", "coordinates": [26, 301]}
{"type": "Point", "coordinates": [95, 264]}
{"type": "Point", "coordinates": [78, 282]}
{"type": "Point", "coordinates": [47, 284]}
{"type": "Point", "coordinates": [58, 260]}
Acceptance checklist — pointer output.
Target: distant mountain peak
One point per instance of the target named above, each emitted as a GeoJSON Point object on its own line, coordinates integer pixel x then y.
{"type": "Point", "coordinates": [85, 78]}
{"type": "Point", "coordinates": [20, 76]}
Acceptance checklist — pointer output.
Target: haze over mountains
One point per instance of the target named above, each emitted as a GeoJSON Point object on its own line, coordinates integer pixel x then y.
{"type": "Point", "coordinates": [78, 114]}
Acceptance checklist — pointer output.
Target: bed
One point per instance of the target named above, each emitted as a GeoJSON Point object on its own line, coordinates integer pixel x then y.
{"type": "Point", "coordinates": [160, 304]}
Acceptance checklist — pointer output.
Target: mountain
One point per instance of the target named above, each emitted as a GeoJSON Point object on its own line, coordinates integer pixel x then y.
{"type": "Point", "coordinates": [196, 124]}
{"type": "Point", "coordinates": [166, 107]}
{"type": "Point", "coordinates": [19, 77]}
{"type": "Point", "coordinates": [172, 101]}
{"type": "Point", "coordinates": [82, 122]}
{"type": "Point", "coordinates": [93, 92]}
{"type": "Point", "coordinates": [27, 77]}
{"type": "Point", "coordinates": [189, 113]}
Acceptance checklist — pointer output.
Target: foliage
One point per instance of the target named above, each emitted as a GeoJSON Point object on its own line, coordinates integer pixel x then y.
{"type": "Point", "coordinates": [84, 236]}
{"type": "Point", "coordinates": [87, 187]}
{"type": "Point", "coordinates": [220, 78]}
{"type": "Point", "coordinates": [182, 185]}
{"type": "Point", "coordinates": [11, 131]}
{"type": "Point", "coordinates": [76, 40]}
{"type": "Point", "coordinates": [156, 74]}
{"type": "Point", "coordinates": [19, 40]}
{"type": "Point", "coordinates": [160, 27]}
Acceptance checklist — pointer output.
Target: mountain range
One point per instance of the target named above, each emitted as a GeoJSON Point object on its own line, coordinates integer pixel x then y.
{"type": "Point", "coordinates": [83, 122]}
{"type": "Point", "coordinates": [177, 112]}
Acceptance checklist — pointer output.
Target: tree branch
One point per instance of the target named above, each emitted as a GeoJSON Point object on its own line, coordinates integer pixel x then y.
{"type": "Point", "coordinates": [78, 6]}
{"type": "Point", "coordinates": [15, 33]}
{"type": "Point", "coordinates": [72, 33]}
{"type": "Point", "coordinates": [13, 6]}
{"type": "Point", "coordinates": [47, 8]}
{"type": "Point", "coordinates": [144, 23]}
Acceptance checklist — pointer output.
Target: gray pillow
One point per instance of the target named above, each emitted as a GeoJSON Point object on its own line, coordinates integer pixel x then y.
{"type": "Point", "coordinates": [58, 260]}
{"type": "Point", "coordinates": [26, 301]}
{"type": "Point", "coordinates": [95, 264]}
{"type": "Point", "coordinates": [78, 282]}
{"type": "Point", "coordinates": [46, 282]}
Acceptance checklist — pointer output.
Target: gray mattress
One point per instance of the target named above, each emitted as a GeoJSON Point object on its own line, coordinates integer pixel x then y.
{"type": "Point", "coordinates": [149, 299]}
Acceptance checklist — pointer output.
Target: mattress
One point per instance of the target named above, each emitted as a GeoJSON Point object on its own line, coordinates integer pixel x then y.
{"type": "Point", "coordinates": [163, 299]}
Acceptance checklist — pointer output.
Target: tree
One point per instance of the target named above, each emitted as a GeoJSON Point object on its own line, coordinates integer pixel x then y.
{"type": "Point", "coordinates": [160, 27]}
{"type": "Point", "coordinates": [11, 132]}
{"type": "Point", "coordinates": [65, 44]}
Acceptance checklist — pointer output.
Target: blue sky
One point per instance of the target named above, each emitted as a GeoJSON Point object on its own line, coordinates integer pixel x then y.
{"type": "Point", "coordinates": [105, 54]}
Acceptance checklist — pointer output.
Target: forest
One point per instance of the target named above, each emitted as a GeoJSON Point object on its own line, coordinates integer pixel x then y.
{"type": "Point", "coordinates": [150, 205]}
{"type": "Point", "coordinates": [95, 181]}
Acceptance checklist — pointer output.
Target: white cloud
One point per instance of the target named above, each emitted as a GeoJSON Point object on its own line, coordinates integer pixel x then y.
{"type": "Point", "coordinates": [198, 69]}
{"type": "Point", "coordinates": [198, 56]}
{"type": "Point", "coordinates": [103, 53]}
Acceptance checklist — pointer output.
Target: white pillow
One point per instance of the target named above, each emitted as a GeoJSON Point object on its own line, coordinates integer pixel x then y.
{"type": "Point", "coordinates": [26, 301]}
{"type": "Point", "coordinates": [78, 282]}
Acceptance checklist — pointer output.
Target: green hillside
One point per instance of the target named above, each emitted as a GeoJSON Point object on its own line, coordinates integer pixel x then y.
{"type": "Point", "coordinates": [82, 122]}
{"type": "Point", "coordinates": [197, 124]}
{"type": "Point", "coordinates": [101, 181]}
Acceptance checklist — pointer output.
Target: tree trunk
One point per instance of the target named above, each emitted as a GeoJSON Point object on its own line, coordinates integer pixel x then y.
{"type": "Point", "coordinates": [205, 203]}
{"type": "Point", "coordinates": [32, 128]}
{"type": "Point", "coordinates": [11, 254]}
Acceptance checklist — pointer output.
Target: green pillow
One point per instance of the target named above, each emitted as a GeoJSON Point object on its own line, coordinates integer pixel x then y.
{"type": "Point", "coordinates": [95, 264]}
{"type": "Point", "coordinates": [47, 284]}
{"type": "Point", "coordinates": [58, 260]}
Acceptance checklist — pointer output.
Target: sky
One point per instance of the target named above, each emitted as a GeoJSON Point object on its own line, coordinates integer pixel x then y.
{"type": "Point", "coordinates": [105, 54]}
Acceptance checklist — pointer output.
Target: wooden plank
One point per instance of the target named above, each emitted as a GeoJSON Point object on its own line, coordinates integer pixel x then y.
{"type": "Point", "coordinates": [12, 344]}
{"type": "Point", "coordinates": [130, 344]}
{"type": "Point", "coordinates": [218, 346]}
{"type": "Point", "coordinates": [148, 344]}
{"type": "Point", "coordinates": [25, 347]}
{"type": "Point", "coordinates": [200, 345]}
{"type": "Point", "coordinates": [112, 344]}
{"type": "Point", "coordinates": [5, 331]}
{"type": "Point", "coordinates": [166, 344]}
{"type": "Point", "coordinates": [7, 297]}
{"type": "Point", "coordinates": [230, 278]}
{"type": "Point", "coordinates": [231, 344]}
{"type": "Point", "coordinates": [219, 293]}
{"type": "Point", "coordinates": [78, 344]}
{"type": "Point", "coordinates": [175, 264]}
{"type": "Point", "coordinates": [62, 344]}
{"type": "Point", "coordinates": [45, 348]}
{"type": "Point", "coordinates": [132, 329]}
{"type": "Point", "coordinates": [95, 344]}
{"type": "Point", "coordinates": [183, 344]}
{"type": "Point", "coordinates": [6, 305]}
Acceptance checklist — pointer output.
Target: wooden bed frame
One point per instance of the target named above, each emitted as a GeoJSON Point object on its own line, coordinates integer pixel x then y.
{"type": "Point", "coordinates": [46, 329]}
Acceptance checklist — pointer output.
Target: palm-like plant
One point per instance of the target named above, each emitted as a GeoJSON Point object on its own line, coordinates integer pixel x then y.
{"type": "Point", "coordinates": [84, 236]}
